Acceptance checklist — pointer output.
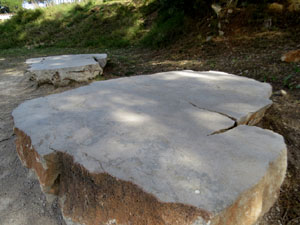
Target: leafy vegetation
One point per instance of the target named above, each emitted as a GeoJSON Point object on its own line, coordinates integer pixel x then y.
{"type": "Point", "coordinates": [13, 5]}
{"type": "Point", "coordinates": [118, 23]}
{"type": "Point", "coordinates": [96, 24]}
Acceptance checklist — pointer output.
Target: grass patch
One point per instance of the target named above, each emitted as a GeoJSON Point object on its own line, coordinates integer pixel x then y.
{"type": "Point", "coordinates": [99, 24]}
{"type": "Point", "coordinates": [166, 29]}
{"type": "Point", "coordinates": [123, 23]}
{"type": "Point", "coordinates": [87, 24]}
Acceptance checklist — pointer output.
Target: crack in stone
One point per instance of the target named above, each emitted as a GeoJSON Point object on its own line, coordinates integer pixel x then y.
{"type": "Point", "coordinates": [223, 114]}
{"type": "Point", "coordinates": [223, 130]}
{"type": "Point", "coordinates": [97, 61]}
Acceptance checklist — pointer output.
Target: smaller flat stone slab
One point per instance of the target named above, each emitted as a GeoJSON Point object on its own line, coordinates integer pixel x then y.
{"type": "Point", "coordinates": [60, 70]}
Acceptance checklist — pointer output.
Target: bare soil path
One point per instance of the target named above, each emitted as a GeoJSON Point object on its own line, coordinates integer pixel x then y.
{"type": "Point", "coordinates": [21, 200]}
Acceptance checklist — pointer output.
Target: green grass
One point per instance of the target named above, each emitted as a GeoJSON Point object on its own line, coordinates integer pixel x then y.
{"type": "Point", "coordinates": [94, 24]}
{"type": "Point", "coordinates": [110, 24]}
{"type": "Point", "coordinates": [165, 29]}
{"type": "Point", "coordinates": [88, 24]}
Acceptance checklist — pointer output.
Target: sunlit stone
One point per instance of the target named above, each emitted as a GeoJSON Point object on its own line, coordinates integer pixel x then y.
{"type": "Point", "coordinates": [61, 70]}
{"type": "Point", "coordinates": [170, 148]}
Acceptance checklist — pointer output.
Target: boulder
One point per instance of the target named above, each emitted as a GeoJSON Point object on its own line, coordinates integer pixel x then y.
{"type": "Point", "coordinates": [169, 148]}
{"type": "Point", "coordinates": [291, 56]}
{"type": "Point", "coordinates": [60, 70]}
{"type": "Point", "coordinates": [294, 6]}
{"type": "Point", "coordinates": [275, 7]}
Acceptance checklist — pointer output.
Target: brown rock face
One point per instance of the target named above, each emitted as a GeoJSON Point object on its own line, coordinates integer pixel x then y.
{"type": "Point", "coordinates": [292, 56]}
{"type": "Point", "coordinates": [100, 198]}
{"type": "Point", "coordinates": [256, 201]}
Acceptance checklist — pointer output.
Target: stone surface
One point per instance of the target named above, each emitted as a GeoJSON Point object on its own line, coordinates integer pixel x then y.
{"type": "Point", "coordinates": [291, 56]}
{"type": "Point", "coordinates": [169, 148]}
{"type": "Point", "coordinates": [60, 70]}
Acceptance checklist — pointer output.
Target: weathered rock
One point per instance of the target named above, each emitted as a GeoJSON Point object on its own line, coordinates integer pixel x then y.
{"type": "Point", "coordinates": [291, 56]}
{"type": "Point", "coordinates": [168, 148]}
{"type": "Point", "coordinates": [275, 7]}
{"type": "Point", "coordinates": [60, 70]}
{"type": "Point", "coordinates": [294, 6]}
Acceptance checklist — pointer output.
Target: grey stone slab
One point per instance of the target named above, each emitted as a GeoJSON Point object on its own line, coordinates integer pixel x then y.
{"type": "Point", "coordinates": [172, 134]}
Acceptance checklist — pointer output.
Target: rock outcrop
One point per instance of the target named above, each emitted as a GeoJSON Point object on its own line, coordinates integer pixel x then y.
{"type": "Point", "coordinates": [169, 148]}
{"type": "Point", "coordinates": [61, 70]}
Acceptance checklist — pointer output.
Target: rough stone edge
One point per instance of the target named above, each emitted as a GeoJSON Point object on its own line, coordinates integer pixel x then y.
{"type": "Point", "coordinates": [101, 60]}
{"type": "Point", "coordinates": [251, 119]}
{"type": "Point", "coordinates": [55, 76]}
{"type": "Point", "coordinates": [82, 195]}
{"type": "Point", "coordinates": [257, 200]}
{"type": "Point", "coordinates": [254, 118]}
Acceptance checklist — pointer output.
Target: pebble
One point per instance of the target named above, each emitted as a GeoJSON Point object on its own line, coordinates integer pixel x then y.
{"type": "Point", "coordinates": [209, 38]}
{"type": "Point", "coordinates": [283, 92]}
{"type": "Point", "coordinates": [280, 93]}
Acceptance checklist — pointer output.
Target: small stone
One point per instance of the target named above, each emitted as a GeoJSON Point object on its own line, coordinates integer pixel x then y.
{"type": "Point", "coordinates": [291, 56]}
{"type": "Point", "coordinates": [230, 11]}
{"type": "Point", "coordinates": [209, 38]}
{"type": "Point", "coordinates": [283, 92]}
{"type": "Point", "coordinates": [217, 8]}
{"type": "Point", "coordinates": [280, 93]}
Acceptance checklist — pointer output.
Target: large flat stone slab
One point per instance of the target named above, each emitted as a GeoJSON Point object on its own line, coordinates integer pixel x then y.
{"type": "Point", "coordinates": [169, 148]}
{"type": "Point", "coordinates": [60, 70]}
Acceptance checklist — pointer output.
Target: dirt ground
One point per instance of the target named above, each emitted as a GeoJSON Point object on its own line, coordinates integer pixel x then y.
{"type": "Point", "coordinates": [258, 57]}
